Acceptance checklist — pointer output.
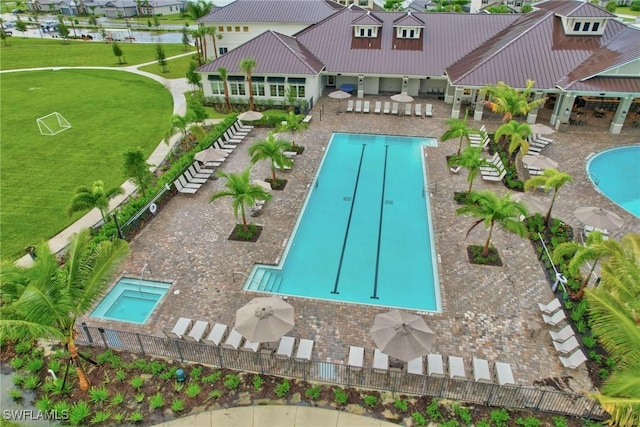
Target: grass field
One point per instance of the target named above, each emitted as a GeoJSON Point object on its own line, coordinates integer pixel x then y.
{"type": "Point", "coordinates": [177, 68]}
{"type": "Point", "coordinates": [32, 52]}
{"type": "Point", "coordinates": [109, 111]}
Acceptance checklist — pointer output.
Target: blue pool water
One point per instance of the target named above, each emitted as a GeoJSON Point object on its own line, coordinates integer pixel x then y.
{"type": "Point", "coordinates": [131, 300]}
{"type": "Point", "coordinates": [615, 173]}
{"type": "Point", "coordinates": [364, 235]}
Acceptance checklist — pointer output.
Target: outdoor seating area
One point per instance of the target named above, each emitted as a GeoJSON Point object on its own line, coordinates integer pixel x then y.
{"type": "Point", "coordinates": [387, 107]}
{"type": "Point", "coordinates": [495, 171]}
{"type": "Point", "coordinates": [564, 340]}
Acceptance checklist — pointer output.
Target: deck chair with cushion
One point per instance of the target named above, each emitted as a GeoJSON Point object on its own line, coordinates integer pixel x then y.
{"type": "Point", "coordinates": [367, 106]}
{"type": "Point", "coordinates": [233, 340]}
{"type": "Point", "coordinates": [200, 328]}
{"type": "Point", "coordinates": [551, 307]}
{"type": "Point", "coordinates": [567, 346]}
{"type": "Point", "coordinates": [230, 138]}
{"type": "Point", "coordinates": [418, 110]}
{"type": "Point", "coordinates": [377, 107]}
{"type": "Point", "coordinates": [222, 145]}
{"type": "Point", "coordinates": [307, 119]}
{"type": "Point", "coordinates": [217, 335]}
{"type": "Point", "coordinates": [187, 184]}
{"type": "Point", "coordinates": [305, 349]}
{"type": "Point", "coordinates": [481, 370]}
{"type": "Point", "coordinates": [387, 108]}
{"type": "Point", "coordinates": [285, 347]}
{"type": "Point", "coordinates": [456, 368]}
{"type": "Point", "coordinates": [238, 131]}
{"type": "Point", "coordinates": [504, 373]}
{"type": "Point", "coordinates": [200, 169]}
{"type": "Point", "coordinates": [358, 106]}
{"type": "Point", "coordinates": [356, 357]}
{"type": "Point", "coordinates": [350, 106]}
{"type": "Point", "coordinates": [182, 189]}
{"type": "Point", "coordinates": [574, 360]}
{"type": "Point", "coordinates": [435, 366]}
{"type": "Point", "coordinates": [407, 109]}
{"type": "Point", "coordinates": [202, 175]}
{"type": "Point", "coordinates": [243, 126]}
{"type": "Point", "coordinates": [563, 334]}
{"type": "Point", "coordinates": [380, 361]}
{"type": "Point", "coordinates": [194, 179]}
{"type": "Point", "coordinates": [180, 328]}
{"type": "Point", "coordinates": [416, 366]}
{"type": "Point", "coordinates": [556, 318]}
{"type": "Point", "coordinates": [394, 108]}
{"type": "Point", "coordinates": [428, 110]}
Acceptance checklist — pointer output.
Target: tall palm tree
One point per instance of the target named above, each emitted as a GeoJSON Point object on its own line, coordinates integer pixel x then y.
{"type": "Point", "coordinates": [271, 149]}
{"type": "Point", "coordinates": [182, 124]}
{"type": "Point", "coordinates": [198, 35]}
{"type": "Point", "coordinates": [614, 309]}
{"type": "Point", "coordinates": [294, 124]}
{"type": "Point", "coordinates": [471, 160]}
{"type": "Point", "coordinates": [491, 210]}
{"type": "Point", "coordinates": [458, 128]}
{"type": "Point", "coordinates": [517, 134]}
{"type": "Point", "coordinates": [44, 301]}
{"type": "Point", "coordinates": [243, 193]}
{"type": "Point", "coordinates": [95, 197]}
{"type": "Point", "coordinates": [511, 102]}
{"type": "Point", "coordinates": [551, 179]}
{"type": "Point", "coordinates": [213, 32]}
{"type": "Point", "coordinates": [223, 75]}
{"type": "Point", "coordinates": [247, 65]}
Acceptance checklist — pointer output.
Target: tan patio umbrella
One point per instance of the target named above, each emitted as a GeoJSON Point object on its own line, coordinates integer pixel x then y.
{"type": "Point", "coordinates": [540, 129]}
{"type": "Point", "coordinates": [261, 183]}
{"type": "Point", "coordinates": [598, 218]}
{"type": "Point", "coordinates": [540, 161]}
{"type": "Point", "coordinates": [264, 319]}
{"type": "Point", "coordinates": [402, 98]}
{"type": "Point", "coordinates": [211, 155]}
{"type": "Point", "coordinates": [339, 94]}
{"type": "Point", "coordinates": [402, 335]}
{"type": "Point", "coordinates": [533, 204]}
{"type": "Point", "coordinates": [250, 116]}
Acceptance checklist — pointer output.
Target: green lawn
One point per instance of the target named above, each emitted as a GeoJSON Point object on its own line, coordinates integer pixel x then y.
{"type": "Point", "coordinates": [626, 10]}
{"type": "Point", "coordinates": [109, 111]}
{"type": "Point", "coordinates": [177, 68]}
{"type": "Point", "coordinates": [33, 52]}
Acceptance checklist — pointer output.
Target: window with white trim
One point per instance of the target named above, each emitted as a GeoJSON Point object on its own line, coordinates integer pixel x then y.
{"type": "Point", "coordinates": [237, 88]}
{"type": "Point", "coordinates": [408, 32]}
{"type": "Point", "coordinates": [277, 89]}
{"type": "Point", "coordinates": [297, 90]}
{"type": "Point", "coordinates": [257, 88]}
{"type": "Point", "coordinates": [217, 87]}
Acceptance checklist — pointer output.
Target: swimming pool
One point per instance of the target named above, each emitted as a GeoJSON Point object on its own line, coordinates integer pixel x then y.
{"type": "Point", "coordinates": [131, 300]}
{"type": "Point", "coordinates": [615, 174]}
{"type": "Point", "coordinates": [364, 235]}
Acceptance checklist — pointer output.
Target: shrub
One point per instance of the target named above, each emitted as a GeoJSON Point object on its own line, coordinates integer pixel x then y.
{"type": "Point", "coordinates": [177, 405]}
{"type": "Point", "coordinates": [433, 412]}
{"type": "Point", "coordinates": [98, 395]}
{"type": "Point", "coordinates": [135, 417]}
{"type": "Point", "coordinates": [156, 401]}
{"type": "Point", "coordinates": [17, 363]}
{"type": "Point", "coordinates": [193, 390]}
{"type": "Point", "coordinates": [603, 373]}
{"type": "Point", "coordinates": [450, 423]}
{"type": "Point", "coordinates": [78, 412]}
{"type": "Point", "coordinates": [419, 419]}
{"type": "Point", "coordinates": [257, 382]}
{"type": "Point", "coordinates": [24, 347]}
{"type": "Point", "coordinates": [499, 417]}
{"type": "Point", "coordinates": [196, 373]}
{"type": "Point", "coordinates": [178, 386]}
{"type": "Point", "coordinates": [61, 407]}
{"type": "Point", "coordinates": [139, 397]}
{"type": "Point", "coordinates": [121, 375]}
{"type": "Point", "coordinates": [44, 404]}
{"type": "Point", "coordinates": [370, 400]}
{"type": "Point", "coordinates": [156, 366]}
{"type": "Point", "coordinates": [58, 389]}
{"type": "Point", "coordinates": [589, 341]}
{"type": "Point", "coordinates": [31, 382]}
{"type": "Point", "coordinates": [313, 393]}
{"type": "Point", "coordinates": [15, 394]}
{"type": "Point", "coordinates": [118, 418]}
{"type": "Point", "coordinates": [35, 365]}
{"type": "Point", "coordinates": [136, 383]}
{"type": "Point", "coordinates": [17, 380]}
{"type": "Point", "coordinates": [341, 396]}
{"type": "Point", "coordinates": [210, 379]}
{"type": "Point", "coordinates": [283, 388]}
{"type": "Point", "coordinates": [401, 405]}
{"type": "Point", "coordinates": [117, 399]}
{"type": "Point", "coordinates": [100, 417]}
{"type": "Point", "coordinates": [232, 382]}
{"type": "Point", "coordinates": [215, 394]}
{"type": "Point", "coordinates": [528, 422]}
{"type": "Point", "coordinates": [462, 413]}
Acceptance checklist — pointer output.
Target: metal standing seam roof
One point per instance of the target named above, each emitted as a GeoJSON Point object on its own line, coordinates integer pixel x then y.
{"type": "Point", "coordinates": [574, 9]}
{"type": "Point", "coordinates": [448, 37]}
{"type": "Point", "coordinates": [275, 11]}
{"type": "Point", "coordinates": [274, 53]}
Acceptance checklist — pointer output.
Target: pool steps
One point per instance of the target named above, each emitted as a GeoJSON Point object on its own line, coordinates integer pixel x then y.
{"type": "Point", "coordinates": [265, 281]}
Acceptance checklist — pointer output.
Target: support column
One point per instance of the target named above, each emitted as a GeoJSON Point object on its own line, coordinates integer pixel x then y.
{"type": "Point", "coordinates": [556, 109]}
{"type": "Point", "coordinates": [405, 85]}
{"type": "Point", "coordinates": [477, 114]}
{"type": "Point", "coordinates": [620, 115]}
{"type": "Point", "coordinates": [533, 114]}
{"type": "Point", "coordinates": [448, 94]}
{"type": "Point", "coordinates": [565, 110]}
{"type": "Point", "coordinates": [360, 85]}
{"type": "Point", "coordinates": [457, 102]}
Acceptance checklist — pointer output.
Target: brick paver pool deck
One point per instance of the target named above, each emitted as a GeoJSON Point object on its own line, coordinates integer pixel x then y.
{"type": "Point", "coordinates": [487, 311]}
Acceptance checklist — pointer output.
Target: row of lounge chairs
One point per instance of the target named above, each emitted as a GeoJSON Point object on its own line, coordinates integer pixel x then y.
{"type": "Point", "coordinates": [495, 171]}
{"type": "Point", "coordinates": [564, 340]}
{"type": "Point", "coordinates": [536, 144]}
{"type": "Point", "coordinates": [389, 108]}
{"type": "Point", "coordinates": [193, 178]}
{"type": "Point", "coordinates": [435, 366]}
{"type": "Point", "coordinates": [219, 335]}
{"type": "Point", "coordinates": [481, 139]}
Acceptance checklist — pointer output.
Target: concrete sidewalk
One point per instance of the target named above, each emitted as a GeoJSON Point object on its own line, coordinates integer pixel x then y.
{"type": "Point", "coordinates": [276, 416]}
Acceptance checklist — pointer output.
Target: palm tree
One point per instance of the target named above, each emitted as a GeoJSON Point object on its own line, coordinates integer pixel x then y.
{"type": "Point", "coordinates": [243, 193]}
{"type": "Point", "coordinates": [471, 160]}
{"type": "Point", "coordinates": [197, 35]}
{"type": "Point", "coordinates": [509, 101]}
{"type": "Point", "coordinates": [517, 134]}
{"type": "Point", "coordinates": [458, 128]}
{"type": "Point", "coordinates": [614, 311]}
{"type": "Point", "coordinates": [294, 124]}
{"type": "Point", "coordinates": [182, 123]}
{"type": "Point", "coordinates": [213, 32]}
{"type": "Point", "coordinates": [223, 75]}
{"type": "Point", "coordinates": [94, 197]}
{"type": "Point", "coordinates": [271, 149]}
{"type": "Point", "coordinates": [550, 179]}
{"type": "Point", "coordinates": [247, 65]}
{"type": "Point", "coordinates": [492, 210]}
{"type": "Point", "coordinates": [44, 301]}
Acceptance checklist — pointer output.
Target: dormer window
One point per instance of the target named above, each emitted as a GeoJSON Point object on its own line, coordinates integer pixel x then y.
{"type": "Point", "coordinates": [408, 32]}
{"type": "Point", "coordinates": [583, 26]}
{"type": "Point", "coordinates": [365, 31]}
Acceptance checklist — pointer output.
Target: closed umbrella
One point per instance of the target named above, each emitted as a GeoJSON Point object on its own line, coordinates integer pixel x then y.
{"type": "Point", "coordinates": [540, 129]}
{"type": "Point", "coordinates": [339, 94]}
{"type": "Point", "coordinates": [540, 161]}
{"type": "Point", "coordinates": [402, 335]}
{"type": "Point", "coordinates": [211, 155]}
{"type": "Point", "coordinates": [250, 116]}
{"type": "Point", "coordinates": [600, 218]}
{"type": "Point", "coordinates": [264, 319]}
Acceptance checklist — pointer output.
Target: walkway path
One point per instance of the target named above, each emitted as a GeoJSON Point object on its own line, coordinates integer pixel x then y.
{"type": "Point", "coordinates": [177, 88]}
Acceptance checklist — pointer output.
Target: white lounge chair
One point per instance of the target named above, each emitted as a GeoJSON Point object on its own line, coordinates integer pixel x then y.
{"type": "Point", "coordinates": [387, 108]}
{"type": "Point", "coordinates": [366, 107]}
{"type": "Point", "coordinates": [350, 105]}
{"type": "Point", "coordinates": [428, 110]}
{"type": "Point", "coordinates": [407, 109]}
{"type": "Point", "coordinates": [230, 138]}
{"type": "Point", "coordinates": [456, 367]}
{"type": "Point", "coordinates": [203, 175]}
{"type": "Point", "coordinates": [238, 131]}
{"type": "Point", "coordinates": [187, 184]}
{"type": "Point", "coordinates": [542, 140]}
{"type": "Point", "coordinates": [504, 373]}
{"type": "Point", "coordinates": [394, 108]}
{"type": "Point", "coordinates": [233, 340]}
{"type": "Point", "coordinates": [418, 110]}
{"type": "Point", "coordinates": [192, 179]}
{"type": "Point", "coordinates": [416, 366]}
{"type": "Point", "coordinates": [180, 328]}
{"type": "Point", "coordinates": [574, 360]}
{"type": "Point", "coordinates": [556, 318]}
{"type": "Point", "coordinates": [285, 347]}
{"type": "Point", "coordinates": [217, 334]}
{"type": "Point", "coordinates": [551, 307]}
{"type": "Point", "coordinates": [356, 357]}
{"type": "Point", "coordinates": [377, 107]}
{"type": "Point", "coordinates": [563, 334]}
{"type": "Point", "coordinates": [307, 119]}
{"type": "Point", "coordinates": [380, 361]}
{"type": "Point", "coordinates": [250, 346]}
{"type": "Point", "coordinates": [305, 349]}
{"type": "Point", "coordinates": [222, 145]}
{"type": "Point", "coordinates": [182, 189]}
{"type": "Point", "coordinates": [494, 178]}
{"type": "Point", "coordinates": [435, 366]}
{"type": "Point", "coordinates": [481, 370]}
{"type": "Point", "coordinates": [197, 332]}
{"type": "Point", "coordinates": [243, 126]}
{"type": "Point", "coordinates": [358, 106]}
{"type": "Point", "coordinates": [201, 169]}
{"type": "Point", "coordinates": [567, 346]}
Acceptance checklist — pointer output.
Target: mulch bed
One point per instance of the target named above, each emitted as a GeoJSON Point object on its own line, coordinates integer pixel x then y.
{"type": "Point", "coordinates": [474, 253]}
{"type": "Point", "coordinates": [238, 238]}
{"type": "Point", "coordinates": [280, 184]}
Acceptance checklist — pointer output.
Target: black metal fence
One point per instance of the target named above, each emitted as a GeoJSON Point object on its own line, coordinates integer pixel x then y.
{"type": "Point", "coordinates": [333, 373]}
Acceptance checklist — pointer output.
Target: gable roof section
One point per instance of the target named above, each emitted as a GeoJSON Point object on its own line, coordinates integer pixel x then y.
{"type": "Point", "coordinates": [536, 48]}
{"type": "Point", "coordinates": [574, 9]}
{"type": "Point", "coordinates": [367, 19]}
{"type": "Point", "coordinates": [274, 53]}
{"type": "Point", "coordinates": [409, 20]}
{"type": "Point", "coordinates": [275, 11]}
{"type": "Point", "coordinates": [444, 42]}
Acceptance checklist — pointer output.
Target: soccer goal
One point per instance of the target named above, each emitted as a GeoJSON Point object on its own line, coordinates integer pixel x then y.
{"type": "Point", "coordinates": [52, 124]}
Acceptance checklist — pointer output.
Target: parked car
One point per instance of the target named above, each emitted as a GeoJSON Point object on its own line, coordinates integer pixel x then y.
{"type": "Point", "coordinates": [16, 11]}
